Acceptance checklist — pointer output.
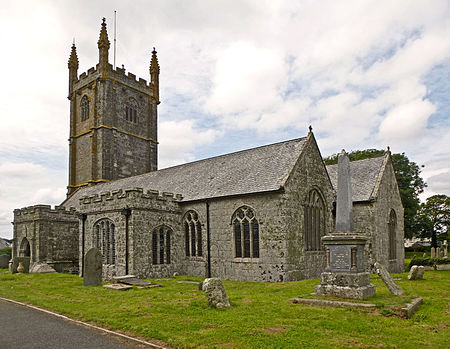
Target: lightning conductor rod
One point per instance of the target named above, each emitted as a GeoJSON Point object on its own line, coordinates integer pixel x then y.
{"type": "Point", "coordinates": [115, 15]}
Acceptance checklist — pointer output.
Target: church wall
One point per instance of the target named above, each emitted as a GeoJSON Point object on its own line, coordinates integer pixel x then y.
{"type": "Point", "coordinates": [388, 198]}
{"type": "Point", "coordinates": [270, 264]}
{"type": "Point", "coordinates": [308, 173]}
{"type": "Point", "coordinates": [147, 212]}
{"type": "Point", "coordinates": [51, 233]}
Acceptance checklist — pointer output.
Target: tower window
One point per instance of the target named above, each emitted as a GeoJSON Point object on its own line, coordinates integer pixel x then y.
{"type": "Point", "coordinates": [193, 234]}
{"type": "Point", "coordinates": [105, 240]}
{"type": "Point", "coordinates": [392, 227]}
{"type": "Point", "coordinates": [131, 110]}
{"type": "Point", "coordinates": [84, 108]}
{"type": "Point", "coordinates": [246, 233]}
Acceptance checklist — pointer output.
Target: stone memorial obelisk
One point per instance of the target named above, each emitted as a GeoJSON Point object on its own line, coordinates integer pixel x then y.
{"type": "Point", "coordinates": [345, 275]}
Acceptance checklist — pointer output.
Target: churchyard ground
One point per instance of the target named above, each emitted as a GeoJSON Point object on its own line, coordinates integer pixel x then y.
{"type": "Point", "coordinates": [260, 315]}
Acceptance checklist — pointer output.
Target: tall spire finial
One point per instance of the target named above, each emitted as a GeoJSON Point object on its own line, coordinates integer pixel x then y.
{"type": "Point", "coordinates": [103, 44]}
{"type": "Point", "coordinates": [73, 59]}
{"type": "Point", "coordinates": [310, 128]}
{"type": "Point", "coordinates": [154, 75]}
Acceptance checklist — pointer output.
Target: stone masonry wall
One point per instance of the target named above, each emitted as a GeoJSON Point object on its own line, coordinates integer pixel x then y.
{"type": "Point", "coordinates": [308, 173]}
{"type": "Point", "coordinates": [52, 234]}
{"type": "Point", "coordinates": [388, 198]}
{"type": "Point", "coordinates": [148, 210]}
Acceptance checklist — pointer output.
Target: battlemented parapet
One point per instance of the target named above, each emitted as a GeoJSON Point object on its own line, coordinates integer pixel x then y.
{"type": "Point", "coordinates": [46, 235]}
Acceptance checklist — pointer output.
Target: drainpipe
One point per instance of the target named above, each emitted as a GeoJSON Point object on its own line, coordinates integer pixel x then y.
{"type": "Point", "coordinates": [208, 242]}
{"type": "Point", "coordinates": [83, 225]}
{"type": "Point", "coordinates": [127, 213]}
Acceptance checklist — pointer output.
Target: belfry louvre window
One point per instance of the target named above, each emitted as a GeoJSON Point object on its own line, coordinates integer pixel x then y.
{"type": "Point", "coordinates": [105, 240]}
{"type": "Point", "coordinates": [193, 234]}
{"type": "Point", "coordinates": [246, 233]}
{"type": "Point", "coordinates": [84, 108]}
{"type": "Point", "coordinates": [392, 227]}
{"type": "Point", "coordinates": [131, 110]}
{"type": "Point", "coordinates": [314, 221]}
{"type": "Point", "coordinates": [161, 245]}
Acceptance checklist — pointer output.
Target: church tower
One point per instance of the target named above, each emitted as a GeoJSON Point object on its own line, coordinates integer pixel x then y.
{"type": "Point", "coordinates": [113, 120]}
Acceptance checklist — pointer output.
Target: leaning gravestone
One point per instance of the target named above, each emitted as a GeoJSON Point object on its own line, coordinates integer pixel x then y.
{"type": "Point", "coordinates": [215, 293]}
{"type": "Point", "coordinates": [4, 261]}
{"type": "Point", "coordinates": [416, 272]}
{"type": "Point", "coordinates": [92, 275]}
{"type": "Point", "coordinates": [387, 279]}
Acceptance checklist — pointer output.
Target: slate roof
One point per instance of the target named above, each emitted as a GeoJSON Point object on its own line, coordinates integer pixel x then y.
{"type": "Point", "coordinates": [364, 174]}
{"type": "Point", "coordinates": [254, 170]}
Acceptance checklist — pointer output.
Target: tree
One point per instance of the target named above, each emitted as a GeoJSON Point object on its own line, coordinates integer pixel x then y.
{"type": "Point", "coordinates": [410, 183]}
{"type": "Point", "coordinates": [433, 218]}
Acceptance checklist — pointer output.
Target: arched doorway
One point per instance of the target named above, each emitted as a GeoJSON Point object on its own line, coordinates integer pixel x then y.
{"type": "Point", "coordinates": [25, 250]}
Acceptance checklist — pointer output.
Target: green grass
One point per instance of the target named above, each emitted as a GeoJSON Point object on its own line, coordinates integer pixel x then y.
{"type": "Point", "coordinates": [260, 316]}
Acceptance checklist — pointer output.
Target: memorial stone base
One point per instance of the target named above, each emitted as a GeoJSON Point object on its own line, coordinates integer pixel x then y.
{"type": "Point", "coordinates": [345, 285]}
{"type": "Point", "coordinates": [345, 276]}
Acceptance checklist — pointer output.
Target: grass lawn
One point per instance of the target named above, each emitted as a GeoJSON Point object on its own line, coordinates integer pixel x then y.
{"type": "Point", "coordinates": [260, 317]}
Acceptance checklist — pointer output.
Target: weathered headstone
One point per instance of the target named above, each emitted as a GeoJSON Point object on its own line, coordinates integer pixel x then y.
{"type": "Point", "coordinates": [440, 252]}
{"type": "Point", "coordinates": [424, 255]}
{"type": "Point", "coordinates": [445, 247]}
{"type": "Point", "coordinates": [416, 272]}
{"type": "Point", "coordinates": [215, 293]}
{"type": "Point", "coordinates": [433, 252]}
{"type": "Point", "coordinates": [41, 268]}
{"type": "Point", "coordinates": [4, 261]}
{"type": "Point", "coordinates": [92, 275]}
{"type": "Point", "coordinates": [387, 279]}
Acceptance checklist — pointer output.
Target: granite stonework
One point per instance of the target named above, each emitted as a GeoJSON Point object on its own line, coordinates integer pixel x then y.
{"type": "Point", "coordinates": [47, 235]}
{"type": "Point", "coordinates": [387, 279]}
{"type": "Point", "coordinates": [215, 293]}
{"type": "Point", "coordinates": [41, 268]}
{"type": "Point", "coordinates": [92, 275]}
{"type": "Point", "coordinates": [416, 272]}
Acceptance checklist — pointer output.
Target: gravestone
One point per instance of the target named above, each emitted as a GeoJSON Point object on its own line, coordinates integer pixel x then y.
{"type": "Point", "coordinates": [4, 261]}
{"type": "Point", "coordinates": [215, 293]}
{"type": "Point", "coordinates": [433, 252]}
{"type": "Point", "coordinates": [345, 275]}
{"type": "Point", "coordinates": [416, 272]}
{"type": "Point", "coordinates": [445, 247]}
{"type": "Point", "coordinates": [41, 268]}
{"type": "Point", "coordinates": [92, 265]}
{"type": "Point", "coordinates": [387, 279]}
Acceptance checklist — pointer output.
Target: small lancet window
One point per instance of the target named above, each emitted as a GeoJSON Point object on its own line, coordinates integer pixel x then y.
{"type": "Point", "coordinates": [84, 108]}
{"type": "Point", "coordinates": [246, 233]}
{"type": "Point", "coordinates": [105, 240]}
{"type": "Point", "coordinates": [193, 234]}
{"type": "Point", "coordinates": [392, 227]}
{"type": "Point", "coordinates": [161, 245]}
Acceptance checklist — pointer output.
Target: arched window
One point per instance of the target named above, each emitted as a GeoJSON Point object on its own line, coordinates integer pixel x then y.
{"type": "Point", "coordinates": [131, 110]}
{"type": "Point", "coordinates": [161, 245]}
{"type": "Point", "coordinates": [392, 227]}
{"type": "Point", "coordinates": [193, 234]}
{"type": "Point", "coordinates": [84, 108]}
{"type": "Point", "coordinates": [314, 221]}
{"type": "Point", "coordinates": [246, 233]}
{"type": "Point", "coordinates": [105, 240]}
{"type": "Point", "coordinates": [25, 250]}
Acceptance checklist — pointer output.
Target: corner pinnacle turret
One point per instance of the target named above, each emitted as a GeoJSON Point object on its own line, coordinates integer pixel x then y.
{"type": "Point", "coordinates": [103, 45]}
{"type": "Point", "coordinates": [73, 68]}
{"type": "Point", "coordinates": [154, 75]}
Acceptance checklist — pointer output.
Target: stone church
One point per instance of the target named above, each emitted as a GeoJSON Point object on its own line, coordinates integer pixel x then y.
{"type": "Point", "coordinates": [255, 215]}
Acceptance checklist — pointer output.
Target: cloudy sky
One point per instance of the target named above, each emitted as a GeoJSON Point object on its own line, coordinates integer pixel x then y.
{"type": "Point", "coordinates": [234, 75]}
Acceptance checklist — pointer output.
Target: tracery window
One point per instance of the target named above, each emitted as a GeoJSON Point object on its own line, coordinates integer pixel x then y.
{"type": "Point", "coordinates": [161, 245]}
{"type": "Point", "coordinates": [392, 227]}
{"type": "Point", "coordinates": [246, 233]}
{"type": "Point", "coordinates": [84, 108]}
{"type": "Point", "coordinates": [314, 221]}
{"type": "Point", "coordinates": [105, 240]}
{"type": "Point", "coordinates": [193, 234]}
{"type": "Point", "coordinates": [131, 110]}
